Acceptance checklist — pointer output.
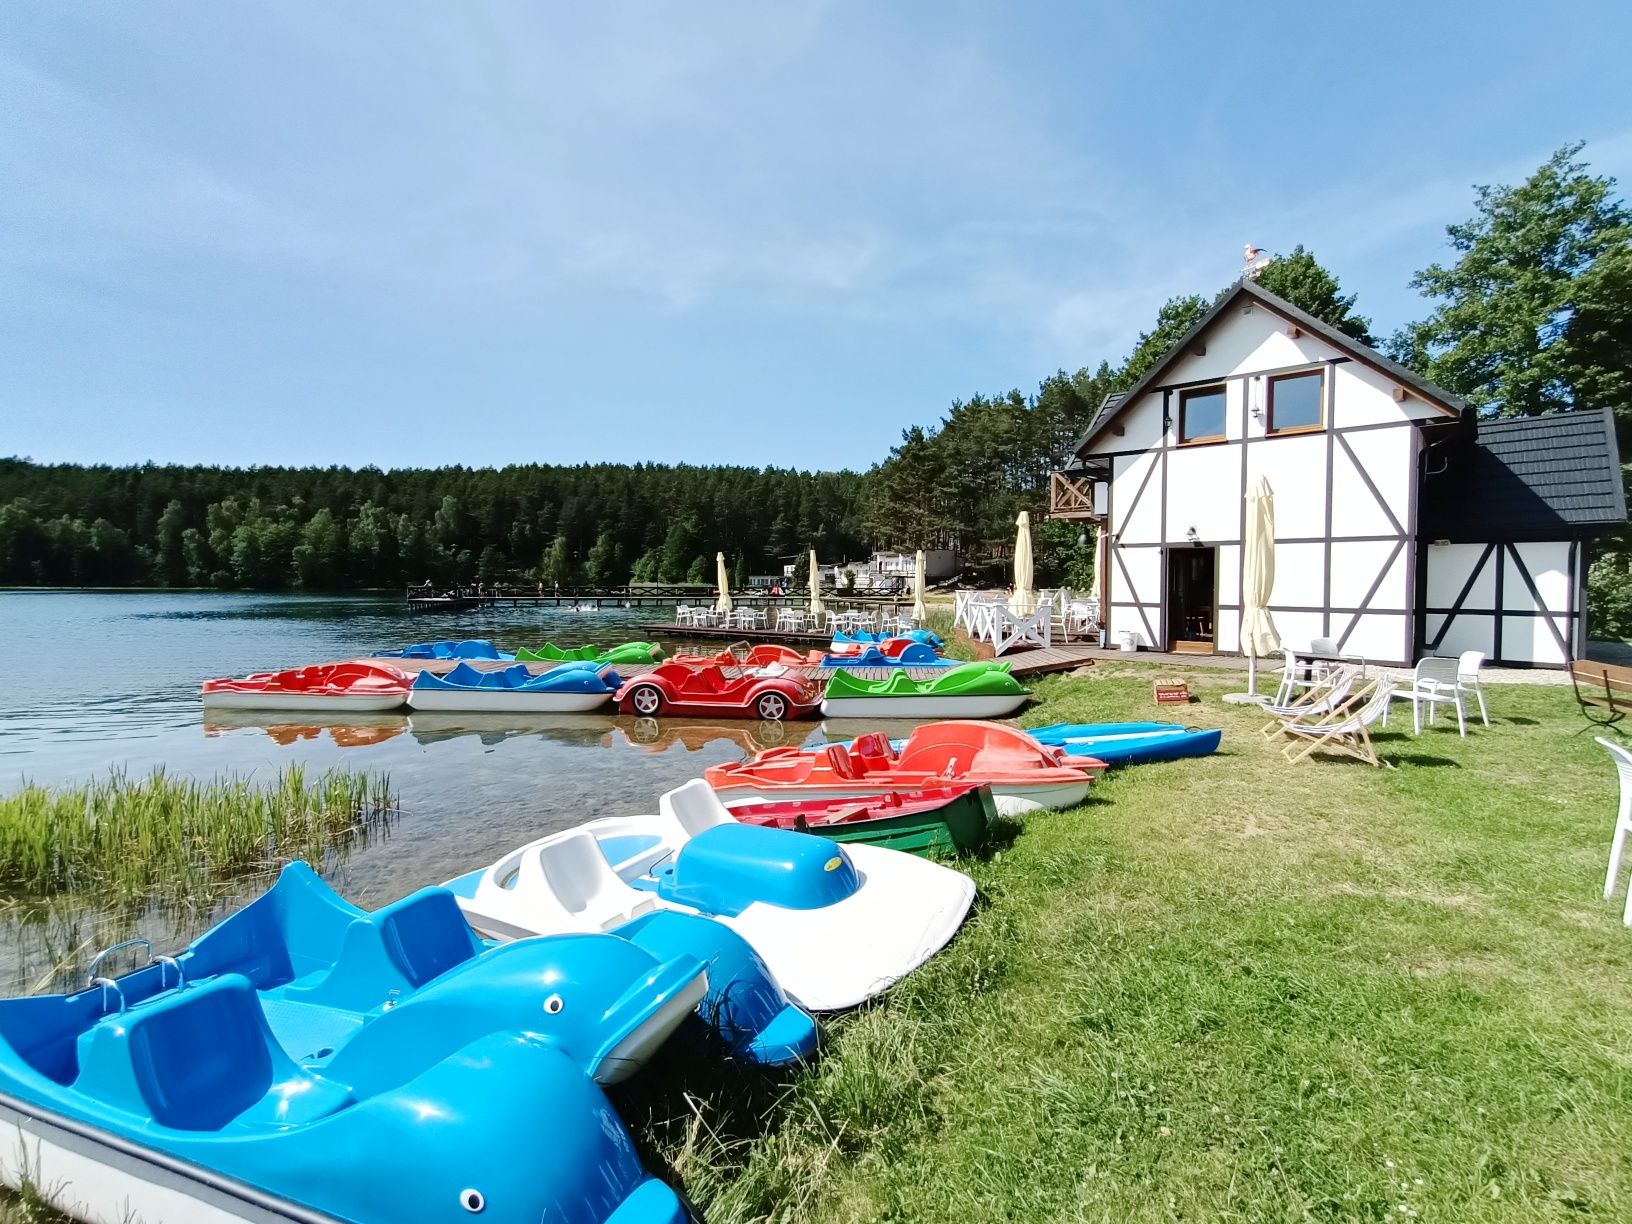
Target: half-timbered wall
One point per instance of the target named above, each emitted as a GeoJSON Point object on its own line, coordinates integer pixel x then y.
{"type": "Point", "coordinates": [1519, 603]}
{"type": "Point", "coordinates": [1345, 494]}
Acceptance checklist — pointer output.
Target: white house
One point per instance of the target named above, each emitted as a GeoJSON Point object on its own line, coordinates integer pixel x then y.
{"type": "Point", "coordinates": [1404, 525]}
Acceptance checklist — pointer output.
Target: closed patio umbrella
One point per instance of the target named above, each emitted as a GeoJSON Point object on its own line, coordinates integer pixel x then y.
{"type": "Point", "coordinates": [919, 613]}
{"type": "Point", "coordinates": [1258, 636]}
{"type": "Point", "coordinates": [1024, 600]}
{"type": "Point", "coordinates": [817, 608]}
{"type": "Point", "coordinates": [723, 603]}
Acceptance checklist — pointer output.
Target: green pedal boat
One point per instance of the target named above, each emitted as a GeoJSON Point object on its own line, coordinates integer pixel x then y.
{"type": "Point", "coordinates": [941, 820]}
{"type": "Point", "coordinates": [973, 690]}
{"type": "Point", "coordinates": [613, 656]}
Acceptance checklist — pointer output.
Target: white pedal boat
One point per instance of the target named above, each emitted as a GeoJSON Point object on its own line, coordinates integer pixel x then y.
{"type": "Point", "coordinates": [835, 925]}
{"type": "Point", "coordinates": [571, 688]}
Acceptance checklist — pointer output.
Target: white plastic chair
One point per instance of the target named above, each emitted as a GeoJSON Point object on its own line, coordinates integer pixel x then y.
{"type": "Point", "coordinates": [1623, 824]}
{"type": "Point", "coordinates": [1435, 683]}
{"type": "Point", "coordinates": [682, 614]}
{"type": "Point", "coordinates": [1468, 664]}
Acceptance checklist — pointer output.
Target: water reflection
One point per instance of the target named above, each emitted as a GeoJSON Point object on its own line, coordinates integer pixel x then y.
{"type": "Point", "coordinates": [492, 729]}
{"type": "Point", "coordinates": [693, 735]}
{"type": "Point", "coordinates": [354, 731]}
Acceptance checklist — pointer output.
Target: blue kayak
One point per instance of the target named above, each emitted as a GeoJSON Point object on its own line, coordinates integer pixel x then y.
{"type": "Point", "coordinates": [1128, 743]}
{"type": "Point", "coordinates": [1113, 743]}
{"type": "Point", "coordinates": [311, 1060]}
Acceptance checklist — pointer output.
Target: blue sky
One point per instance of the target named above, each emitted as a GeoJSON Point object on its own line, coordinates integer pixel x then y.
{"type": "Point", "coordinates": [419, 233]}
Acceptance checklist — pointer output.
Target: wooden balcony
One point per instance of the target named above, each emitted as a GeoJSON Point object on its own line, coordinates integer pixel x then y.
{"type": "Point", "coordinates": [1071, 495]}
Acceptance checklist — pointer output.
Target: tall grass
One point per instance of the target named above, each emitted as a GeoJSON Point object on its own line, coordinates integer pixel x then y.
{"type": "Point", "coordinates": [163, 835]}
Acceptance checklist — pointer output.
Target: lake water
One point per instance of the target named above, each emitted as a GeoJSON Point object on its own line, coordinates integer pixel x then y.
{"type": "Point", "coordinates": [102, 681]}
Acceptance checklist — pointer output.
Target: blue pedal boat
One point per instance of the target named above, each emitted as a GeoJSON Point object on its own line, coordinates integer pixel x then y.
{"type": "Point", "coordinates": [853, 636]}
{"type": "Point", "coordinates": [571, 688]}
{"type": "Point", "coordinates": [744, 1004]}
{"type": "Point", "coordinates": [918, 654]}
{"type": "Point", "coordinates": [1128, 743]}
{"type": "Point", "coordinates": [305, 1060]}
{"type": "Point", "coordinates": [474, 648]}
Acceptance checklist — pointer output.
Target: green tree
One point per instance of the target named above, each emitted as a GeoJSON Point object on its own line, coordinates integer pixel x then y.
{"type": "Point", "coordinates": [679, 547]}
{"type": "Point", "coordinates": [1177, 316]}
{"type": "Point", "coordinates": [602, 566]}
{"type": "Point", "coordinates": [698, 571]}
{"type": "Point", "coordinates": [740, 573]}
{"type": "Point", "coordinates": [556, 567]}
{"type": "Point", "coordinates": [1301, 280]}
{"type": "Point", "coordinates": [320, 558]}
{"type": "Point", "coordinates": [1533, 314]}
{"type": "Point", "coordinates": [647, 566]}
{"type": "Point", "coordinates": [171, 557]}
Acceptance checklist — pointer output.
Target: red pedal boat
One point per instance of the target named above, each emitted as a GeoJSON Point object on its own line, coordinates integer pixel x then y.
{"type": "Point", "coordinates": [763, 655]}
{"type": "Point", "coordinates": [326, 686]}
{"type": "Point", "coordinates": [1023, 775]}
{"type": "Point", "coordinates": [679, 688]}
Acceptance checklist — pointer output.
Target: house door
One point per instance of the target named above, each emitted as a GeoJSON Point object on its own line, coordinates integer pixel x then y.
{"type": "Point", "coordinates": [1192, 599]}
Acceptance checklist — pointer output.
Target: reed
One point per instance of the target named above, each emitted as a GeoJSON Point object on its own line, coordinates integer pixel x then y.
{"type": "Point", "coordinates": [162, 834]}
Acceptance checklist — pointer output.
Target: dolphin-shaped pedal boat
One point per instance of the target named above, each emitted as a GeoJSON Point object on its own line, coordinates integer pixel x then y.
{"type": "Point", "coordinates": [305, 1060]}
{"type": "Point", "coordinates": [834, 924]}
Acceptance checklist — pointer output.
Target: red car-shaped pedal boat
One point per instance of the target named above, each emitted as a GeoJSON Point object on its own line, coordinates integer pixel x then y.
{"type": "Point", "coordinates": [681, 689]}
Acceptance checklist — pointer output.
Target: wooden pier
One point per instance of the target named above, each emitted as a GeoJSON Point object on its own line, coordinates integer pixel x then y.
{"type": "Point", "coordinates": [421, 600]}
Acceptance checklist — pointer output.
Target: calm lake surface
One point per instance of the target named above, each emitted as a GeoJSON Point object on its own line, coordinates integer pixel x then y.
{"type": "Point", "coordinates": [110, 681]}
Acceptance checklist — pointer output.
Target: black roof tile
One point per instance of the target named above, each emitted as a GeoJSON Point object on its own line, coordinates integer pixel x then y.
{"type": "Point", "coordinates": [1527, 478]}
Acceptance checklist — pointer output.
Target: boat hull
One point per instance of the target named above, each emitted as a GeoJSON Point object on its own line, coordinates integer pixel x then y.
{"type": "Point", "coordinates": [101, 1178]}
{"type": "Point", "coordinates": [357, 703]}
{"type": "Point", "coordinates": [497, 701]}
{"type": "Point", "coordinates": [1130, 743]}
{"type": "Point", "coordinates": [961, 825]}
{"type": "Point", "coordinates": [1011, 798]}
{"type": "Point", "coordinates": [997, 705]}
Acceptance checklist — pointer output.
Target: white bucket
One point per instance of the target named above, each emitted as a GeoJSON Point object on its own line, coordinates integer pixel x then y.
{"type": "Point", "coordinates": [1126, 641]}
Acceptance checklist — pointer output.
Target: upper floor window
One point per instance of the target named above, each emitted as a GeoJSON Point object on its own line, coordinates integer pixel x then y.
{"type": "Point", "coordinates": [1297, 401]}
{"type": "Point", "coordinates": [1201, 414]}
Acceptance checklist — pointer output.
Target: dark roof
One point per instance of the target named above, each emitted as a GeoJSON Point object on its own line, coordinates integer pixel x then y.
{"type": "Point", "coordinates": [1526, 478]}
{"type": "Point", "coordinates": [1362, 353]}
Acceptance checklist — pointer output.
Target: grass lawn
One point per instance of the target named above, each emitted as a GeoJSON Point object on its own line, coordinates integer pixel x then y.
{"type": "Point", "coordinates": [1231, 989]}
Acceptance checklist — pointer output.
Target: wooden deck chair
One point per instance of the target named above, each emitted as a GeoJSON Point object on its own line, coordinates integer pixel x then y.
{"type": "Point", "coordinates": [1330, 692]}
{"type": "Point", "coordinates": [1346, 730]}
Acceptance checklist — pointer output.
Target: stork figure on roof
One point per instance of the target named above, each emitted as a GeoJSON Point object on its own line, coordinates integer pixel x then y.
{"type": "Point", "coordinates": [1256, 261]}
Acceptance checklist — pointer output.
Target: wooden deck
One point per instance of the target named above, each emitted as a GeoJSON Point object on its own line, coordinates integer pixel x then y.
{"type": "Point", "coordinates": [1039, 662]}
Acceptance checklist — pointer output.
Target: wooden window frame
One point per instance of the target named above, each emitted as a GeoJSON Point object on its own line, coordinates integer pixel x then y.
{"type": "Point", "coordinates": [1186, 395]}
{"type": "Point", "coordinates": [1269, 404]}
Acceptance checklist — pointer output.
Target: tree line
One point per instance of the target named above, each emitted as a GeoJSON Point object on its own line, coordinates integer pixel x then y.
{"type": "Point", "coordinates": [1534, 314]}
{"type": "Point", "coordinates": [337, 528]}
